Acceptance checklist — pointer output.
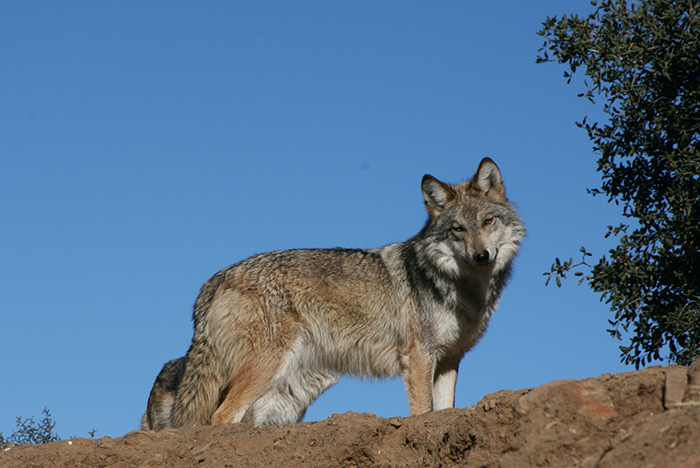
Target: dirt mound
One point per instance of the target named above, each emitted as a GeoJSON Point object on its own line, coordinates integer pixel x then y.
{"type": "Point", "coordinates": [649, 418]}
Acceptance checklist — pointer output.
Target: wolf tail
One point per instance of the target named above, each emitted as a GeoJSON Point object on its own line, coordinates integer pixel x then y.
{"type": "Point", "coordinates": [200, 391]}
{"type": "Point", "coordinates": [162, 396]}
{"type": "Point", "coordinates": [201, 387]}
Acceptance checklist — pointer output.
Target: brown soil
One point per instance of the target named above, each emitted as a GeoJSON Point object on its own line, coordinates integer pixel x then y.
{"type": "Point", "coordinates": [647, 418]}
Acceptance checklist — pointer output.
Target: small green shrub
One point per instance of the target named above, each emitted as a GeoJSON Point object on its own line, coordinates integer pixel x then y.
{"type": "Point", "coordinates": [32, 432]}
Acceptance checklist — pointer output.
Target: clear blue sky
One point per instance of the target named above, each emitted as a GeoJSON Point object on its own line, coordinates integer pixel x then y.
{"type": "Point", "coordinates": [147, 145]}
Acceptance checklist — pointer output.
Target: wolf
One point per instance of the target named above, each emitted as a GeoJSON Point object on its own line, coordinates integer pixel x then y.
{"type": "Point", "coordinates": [272, 332]}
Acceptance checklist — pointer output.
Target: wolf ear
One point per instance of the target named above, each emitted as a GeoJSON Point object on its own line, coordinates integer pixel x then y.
{"type": "Point", "coordinates": [436, 194]}
{"type": "Point", "coordinates": [488, 180]}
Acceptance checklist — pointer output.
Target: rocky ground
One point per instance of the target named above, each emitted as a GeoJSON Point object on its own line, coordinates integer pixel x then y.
{"type": "Point", "coordinates": [647, 418]}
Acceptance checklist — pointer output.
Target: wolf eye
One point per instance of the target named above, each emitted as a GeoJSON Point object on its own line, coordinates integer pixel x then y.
{"type": "Point", "coordinates": [457, 228]}
{"type": "Point", "coordinates": [488, 221]}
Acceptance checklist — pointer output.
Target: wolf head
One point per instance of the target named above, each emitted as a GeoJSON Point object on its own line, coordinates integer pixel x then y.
{"type": "Point", "coordinates": [472, 224]}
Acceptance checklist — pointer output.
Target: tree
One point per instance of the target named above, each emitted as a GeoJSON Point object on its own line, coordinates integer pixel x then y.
{"type": "Point", "coordinates": [643, 58]}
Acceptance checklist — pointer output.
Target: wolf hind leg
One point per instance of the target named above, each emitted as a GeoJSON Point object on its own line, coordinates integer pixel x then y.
{"type": "Point", "coordinates": [289, 397]}
{"type": "Point", "coordinates": [250, 380]}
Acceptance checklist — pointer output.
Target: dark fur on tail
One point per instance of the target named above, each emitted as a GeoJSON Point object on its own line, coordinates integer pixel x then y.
{"type": "Point", "coordinates": [162, 397]}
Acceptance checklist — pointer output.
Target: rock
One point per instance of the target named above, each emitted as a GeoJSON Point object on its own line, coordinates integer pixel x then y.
{"type": "Point", "coordinates": [674, 386]}
{"type": "Point", "coordinates": [692, 391]}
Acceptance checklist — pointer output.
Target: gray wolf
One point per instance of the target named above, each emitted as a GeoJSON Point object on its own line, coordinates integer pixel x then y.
{"type": "Point", "coordinates": [272, 332]}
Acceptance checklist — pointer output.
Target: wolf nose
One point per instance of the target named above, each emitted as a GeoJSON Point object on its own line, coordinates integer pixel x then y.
{"type": "Point", "coordinates": [481, 258]}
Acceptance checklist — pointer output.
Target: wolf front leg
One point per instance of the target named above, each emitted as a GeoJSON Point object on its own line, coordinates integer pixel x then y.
{"type": "Point", "coordinates": [444, 384]}
{"type": "Point", "coordinates": [419, 380]}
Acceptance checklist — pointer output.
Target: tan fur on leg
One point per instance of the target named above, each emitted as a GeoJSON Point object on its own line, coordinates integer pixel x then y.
{"type": "Point", "coordinates": [419, 380]}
